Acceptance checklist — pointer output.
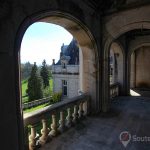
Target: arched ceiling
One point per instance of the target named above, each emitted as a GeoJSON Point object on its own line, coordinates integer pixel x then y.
{"type": "Point", "coordinates": [113, 5]}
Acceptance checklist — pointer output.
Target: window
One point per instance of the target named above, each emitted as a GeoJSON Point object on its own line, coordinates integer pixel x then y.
{"type": "Point", "coordinates": [64, 87]}
{"type": "Point", "coordinates": [64, 65]}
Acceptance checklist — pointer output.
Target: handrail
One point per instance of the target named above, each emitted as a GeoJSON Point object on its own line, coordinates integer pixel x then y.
{"type": "Point", "coordinates": [76, 108]}
{"type": "Point", "coordinates": [34, 117]}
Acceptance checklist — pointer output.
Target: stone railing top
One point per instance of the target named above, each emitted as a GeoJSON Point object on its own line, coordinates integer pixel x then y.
{"type": "Point", "coordinates": [36, 116]}
{"type": "Point", "coordinates": [38, 100]}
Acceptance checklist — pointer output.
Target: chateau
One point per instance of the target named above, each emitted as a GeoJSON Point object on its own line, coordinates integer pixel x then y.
{"type": "Point", "coordinates": [66, 71]}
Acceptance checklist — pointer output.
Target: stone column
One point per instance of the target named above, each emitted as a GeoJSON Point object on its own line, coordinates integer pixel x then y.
{"type": "Point", "coordinates": [132, 71]}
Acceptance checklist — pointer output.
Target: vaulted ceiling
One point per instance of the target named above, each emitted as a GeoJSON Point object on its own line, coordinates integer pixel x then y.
{"type": "Point", "coordinates": [104, 4]}
{"type": "Point", "coordinates": [107, 5]}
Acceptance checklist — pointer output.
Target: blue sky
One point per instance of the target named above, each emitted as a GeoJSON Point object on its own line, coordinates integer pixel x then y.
{"type": "Point", "coordinates": [43, 41]}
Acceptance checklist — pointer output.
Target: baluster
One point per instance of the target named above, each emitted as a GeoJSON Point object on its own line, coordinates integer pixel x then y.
{"type": "Point", "coordinates": [113, 92]}
{"type": "Point", "coordinates": [85, 108]}
{"type": "Point", "coordinates": [61, 122]}
{"type": "Point", "coordinates": [75, 114]}
{"type": "Point", "coordinates": [110, 92]}
{"type": "Point", "coordinates": [69, 118]}
{"type": "Point", "coordinates": [45, 131]}
{"type": "Point", "coordinates": [117, 90]}
{"type": "Point", "coordinates": [26, 137]}
{"type": "Point", "coordinates": [53, 132]}
{"type": "Point", "coordinates": [32, 138]}
{"type": "Point", "coordinates": [81, 112]}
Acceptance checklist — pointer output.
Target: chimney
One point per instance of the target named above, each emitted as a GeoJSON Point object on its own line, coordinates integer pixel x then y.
{"type": "Point", "coordinates": [53, 62]}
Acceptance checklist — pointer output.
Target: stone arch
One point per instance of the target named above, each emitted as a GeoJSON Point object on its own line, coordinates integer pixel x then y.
{"type": "Point", "coordinates": [135, 45]}
{"type": "Point", "coordinates": [106, 85]}
{"type": "Point", "coordinates": [128, 20]}
{"type": "Point", "coordinates": [118, 24]}
{"type": "Point", "coordinates": [118, 50]}
{"type": "Point", "coordinates": [86, 43]}
{"type": "Point", "coordinates": [132, 26]}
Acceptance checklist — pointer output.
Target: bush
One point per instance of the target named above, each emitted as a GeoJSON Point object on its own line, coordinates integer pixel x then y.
{"type": "Point", "coordinates": [46, 92]}
{"type": "Point", "coordinates": [56, 97]}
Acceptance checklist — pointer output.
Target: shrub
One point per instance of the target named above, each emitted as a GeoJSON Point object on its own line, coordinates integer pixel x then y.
{"type": "Point", "coordinates": [46, 92]}
{"type": "Point", "coordinates": [56, 97]}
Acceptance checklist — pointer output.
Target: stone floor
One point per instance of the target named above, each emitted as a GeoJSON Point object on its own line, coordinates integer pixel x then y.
{"type": "Point", "coordinates": [102, 132]}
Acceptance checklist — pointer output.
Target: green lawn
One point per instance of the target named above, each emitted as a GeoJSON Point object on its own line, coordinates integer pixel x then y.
{"type": "Point", "coordinates": [24, 87]}
{"type": "Point", "coordinates": [51, 85]}
{"type": "Point", "coordinates": [35, 108]}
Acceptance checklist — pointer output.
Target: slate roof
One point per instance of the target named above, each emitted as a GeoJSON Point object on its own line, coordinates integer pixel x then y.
{"type": "Point", "coordinates": [71, 50]}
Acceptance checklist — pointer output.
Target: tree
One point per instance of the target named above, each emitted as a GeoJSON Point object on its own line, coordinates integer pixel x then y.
{"type": "Point", "coordinates": [45, 74]}
{"type": "Point", "coordinates": [35, 85]}
{"type": "Point", "coordinates": [26, 70]}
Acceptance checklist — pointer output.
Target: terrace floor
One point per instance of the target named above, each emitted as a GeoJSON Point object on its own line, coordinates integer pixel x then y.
{"type": "Point", "coordinates": [101, 132]}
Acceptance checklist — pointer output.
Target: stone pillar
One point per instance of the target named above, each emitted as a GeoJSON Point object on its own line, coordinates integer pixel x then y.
{"type": "Point", "coordinates": [126, 90]}
{"type": "Point", "coordinates": [132, 71]}
{"type": "Point", "coordinates": [114, 69]}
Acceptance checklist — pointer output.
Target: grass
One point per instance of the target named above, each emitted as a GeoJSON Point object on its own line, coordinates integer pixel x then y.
{"type": "Point", "coordinates": [24, 88]}
{"type": "Point", "coordinates": [35, 108]}
{"type": "Point", "coordinates": [51, 85]}
{"type": "Point", "coordinates": [24, 94]}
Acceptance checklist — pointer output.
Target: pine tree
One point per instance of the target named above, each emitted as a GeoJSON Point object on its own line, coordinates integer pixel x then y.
{"type": "Point", "coordinates": [34, 89]}
{"type": "Point", "coordinates": [45, 74]}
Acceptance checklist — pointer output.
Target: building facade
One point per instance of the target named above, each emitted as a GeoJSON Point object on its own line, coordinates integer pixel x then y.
{"type": "Point", "coordinates": [66, 71]}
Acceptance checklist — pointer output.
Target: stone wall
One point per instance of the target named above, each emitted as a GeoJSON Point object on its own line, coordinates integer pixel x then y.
{"type": "Point", "coordinates": [142, 67]}
{"type": "Point", "coordinates": [72, 84]}
{"type": "Point", "coordinates": [35, 103]}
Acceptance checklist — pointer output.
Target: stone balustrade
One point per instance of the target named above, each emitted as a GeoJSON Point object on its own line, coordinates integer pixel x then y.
{"type": "Point", "coordinates": [55, 119]}
{"type": "Point", "coordinates": [35, 103]}
{"type": "Point", "coordinates": [114, 90]}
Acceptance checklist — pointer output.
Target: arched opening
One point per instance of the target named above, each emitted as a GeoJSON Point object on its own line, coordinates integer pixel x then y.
{"type": "Point", "coordinates": [139, 72]}
{"type": "Point", "coordinates": [131, 37]}
{"type": "Point", "coordinates": [137, 55]}
{"type": "Point", "coordinates": [86, 43]}
{"type": "Point", "coordinates": [88, 50]}
{"type": "Point", "coordinates": [116, 65]}
{"type": "Point", "coordinates": [113, 85]}
{"type": "Point", "coordinates": [42, 48]}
